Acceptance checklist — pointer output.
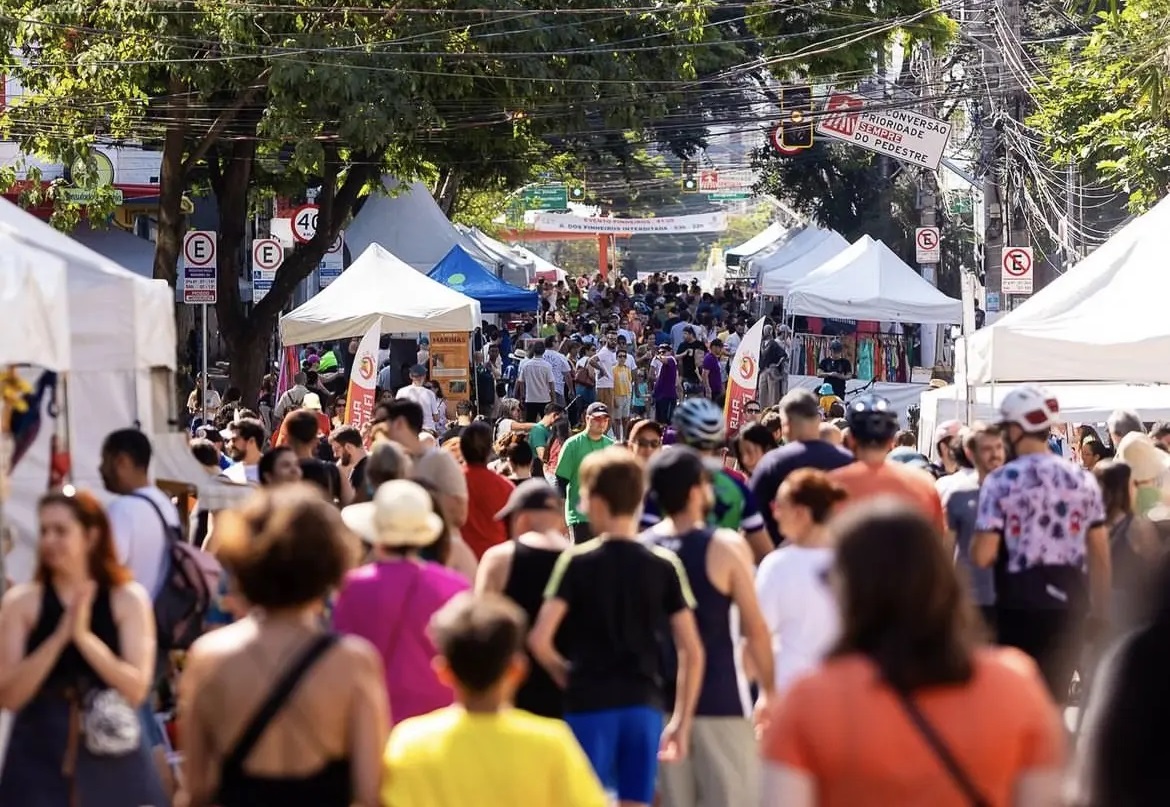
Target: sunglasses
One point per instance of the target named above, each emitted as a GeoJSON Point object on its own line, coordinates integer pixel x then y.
{"type": "Point", "coordinates": [648, 443]}
{"type": "Point", "coordinates": [752, 410]}
{"type": "Point", "coordinates": [599, 417]}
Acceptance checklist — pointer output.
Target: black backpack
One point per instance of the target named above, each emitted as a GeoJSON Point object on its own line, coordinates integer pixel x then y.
{"type": "Point", "coordinates": [187, 588]}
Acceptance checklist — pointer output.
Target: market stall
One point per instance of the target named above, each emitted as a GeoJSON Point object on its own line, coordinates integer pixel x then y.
{"type": "Point", "coordinates": [792, 259]}
{"type": "Point", "coordinates": [122, 355]}
{"type": "Point", "coordinates": [1079, 403]}
{"type": "Point", "coordinates": [379, 288]}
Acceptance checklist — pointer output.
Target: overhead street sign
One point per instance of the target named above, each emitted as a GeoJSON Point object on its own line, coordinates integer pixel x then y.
{"type": "Point", "coordinates": [84, 196]}
{"type": "Point", "coordinates": [898, 133]}
{"type": "Point", "coordinates": [729, 196]}
{"type": "Point", "coordinates": [545, 197]}
{"type": "Point", "coordinates": [332, 262]}
{"type": "Point", "coordinates": [927, 245]}
{"type": "Point", "coordinates": [1017, 270]}
{"type": "Point", "coordinates": [199, 268]}
{"type": "Point", "coordinates": [304, 223]}
{"type": "Point", "coordinates": [267, 256]}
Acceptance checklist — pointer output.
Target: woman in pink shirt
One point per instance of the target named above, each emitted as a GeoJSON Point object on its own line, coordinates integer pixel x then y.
{"type": "Point", "coordinates": [389, 601]}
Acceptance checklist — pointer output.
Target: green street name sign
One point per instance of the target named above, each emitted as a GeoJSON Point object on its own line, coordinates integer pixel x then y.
{"type": "Point", "coordinates": [545, 197]}
{"type": "Point", "coordinates": [82, 196]}
{"type": "Point", "coordinates": [729, 196]}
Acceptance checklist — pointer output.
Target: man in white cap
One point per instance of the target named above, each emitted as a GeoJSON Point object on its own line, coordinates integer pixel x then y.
{"type": "Point", "coordinates": [1041, 522]}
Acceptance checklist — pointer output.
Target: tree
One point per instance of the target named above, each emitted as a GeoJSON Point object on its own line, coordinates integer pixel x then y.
{"type": "Point", "coordinates": [246, 102]}
{"type": "Point", "coordinates": [1104, 107]}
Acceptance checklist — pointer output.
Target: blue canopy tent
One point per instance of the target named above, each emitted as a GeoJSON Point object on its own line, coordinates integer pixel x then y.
{"type": "Point", "coordinates": [459, 270]}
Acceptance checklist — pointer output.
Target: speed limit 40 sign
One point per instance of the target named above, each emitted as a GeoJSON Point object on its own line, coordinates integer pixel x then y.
{"type": "Point", "coordinates": [304, 223]}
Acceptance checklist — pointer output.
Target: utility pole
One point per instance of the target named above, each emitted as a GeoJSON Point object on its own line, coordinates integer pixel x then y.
{"type": "Point", "coordinates": [991, 154]}
{"type": "Point", "coordinates": [1017, 234]}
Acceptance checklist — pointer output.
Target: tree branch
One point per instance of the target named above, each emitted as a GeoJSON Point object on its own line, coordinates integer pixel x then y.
{"type": "Point", "coordinates": [224, 120]}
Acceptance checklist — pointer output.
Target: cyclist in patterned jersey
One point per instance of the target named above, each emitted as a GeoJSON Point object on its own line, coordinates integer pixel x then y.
{"type": "Point", "coordinates": [698, 423]}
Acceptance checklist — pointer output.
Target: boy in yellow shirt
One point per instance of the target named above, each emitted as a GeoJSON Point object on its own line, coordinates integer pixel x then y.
{"type": "Point", "coordinates": [482, 751]}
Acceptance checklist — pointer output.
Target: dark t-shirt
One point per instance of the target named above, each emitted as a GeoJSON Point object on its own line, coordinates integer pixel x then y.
{"type": "Point", "coordinates": [842, 366]}
{"type": "Point", "coordinates": [357, 477]}
{"type": "Point", "coordinates": [778, 463]}
{"type": "Point", "coordinates": [690, 359]}
{"type": "Point", "coordinates": [627, 591]}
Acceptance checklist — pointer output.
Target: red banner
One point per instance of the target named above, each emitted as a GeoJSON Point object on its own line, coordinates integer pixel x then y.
{"type": "Point", "coordinates": [363, 381]}
{"type": "Point", "coordinates": [742, 378]}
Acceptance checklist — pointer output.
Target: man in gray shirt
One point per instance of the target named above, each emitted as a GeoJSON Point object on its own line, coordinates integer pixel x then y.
{"type": "Point", "coordinates": [983, 445]}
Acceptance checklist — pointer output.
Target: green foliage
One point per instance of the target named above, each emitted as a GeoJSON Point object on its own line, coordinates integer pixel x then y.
{"type": "Point", "coordinates": [1104, 106]}
{"type": "Point", "coordinates": [248, 99]}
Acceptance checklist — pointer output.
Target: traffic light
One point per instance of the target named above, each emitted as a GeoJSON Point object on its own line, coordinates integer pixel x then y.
{"type": "Point", "coordinates": [796, 121]}
{"type": "Point", "coordinates": [690, 177]}
{"type": "Point", "coordinates": [576, 191]}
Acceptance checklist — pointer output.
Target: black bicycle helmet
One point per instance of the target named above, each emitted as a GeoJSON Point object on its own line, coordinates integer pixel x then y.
{"type": "Point", "coordinates": [871, 419]}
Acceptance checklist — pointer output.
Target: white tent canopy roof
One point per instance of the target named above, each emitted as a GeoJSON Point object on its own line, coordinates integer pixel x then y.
{"type": "Point", "coordinates": [1103, 320]}
{"type": "Point", "coordinates": [378, 287]}
{"type": "Point", "coordinates": [34, 306]}
{"type": "Point", "coordinates": [868, 281]}
{"type": "Point", "coordinates": [513, 267]}
{"type": "Point", "coordinates": [411, 226]}
{"type": "Point", "coordinates": [794, 258]}
{"type": "Point", "coordinates": [119, 321]}
{"type": "Point", "coordinates": [758, 242]}
{"type": "Point", "coordinates": [540, 266]}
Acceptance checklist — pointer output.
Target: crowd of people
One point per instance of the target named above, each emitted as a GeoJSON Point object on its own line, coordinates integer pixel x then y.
{"type": "Point", "coordinates": [573, 601]}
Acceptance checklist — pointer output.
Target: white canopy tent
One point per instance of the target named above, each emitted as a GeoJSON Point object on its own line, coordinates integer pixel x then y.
{"type": "Point", "coordinates": [1079, 403]}
{"type": "Point", "coordinates": [34, 307]}
{"type": "Point", "coordinates": [802, 253]}
{"type": "Point", "coordinates": [1103, 320]}
{"type": "Point", "coordinates": [411, 226]}
{"type": "Point", "coordinates": [757, 243]}
{"type": "Point", "coordinates": [868, 281]}
{"type": "Point", "coordinates": [505, 262]}
{"type": "Point", "coordinates": [123, 354]}
{"type": "Point", "coordinates": [543, 269]}
{"type": "Point", "coordinates": [379, 287]}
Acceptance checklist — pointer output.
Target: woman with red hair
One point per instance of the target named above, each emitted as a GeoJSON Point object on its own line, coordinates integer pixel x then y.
{"type": "Point", "coordinates": [77, 652]}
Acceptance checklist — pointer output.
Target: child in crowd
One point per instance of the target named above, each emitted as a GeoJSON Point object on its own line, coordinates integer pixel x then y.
{"type": "Point", "coordinates": [482, 751]}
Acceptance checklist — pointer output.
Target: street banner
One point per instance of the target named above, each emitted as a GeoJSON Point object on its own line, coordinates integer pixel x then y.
{"type": "Point", "coordinates": [290, 365]}
{"type": "Point", "coordinates": [451, 365]}
{"type": "Point", "coordinates": [742, 377]}
{"type": "Point", "coordinates": [565, 223]}
{"type": "Point", "coordinates": [363, 381]}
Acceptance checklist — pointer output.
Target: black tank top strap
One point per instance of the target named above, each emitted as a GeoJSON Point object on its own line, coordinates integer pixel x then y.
{"type": "Point", "coordinates": [276, 700]}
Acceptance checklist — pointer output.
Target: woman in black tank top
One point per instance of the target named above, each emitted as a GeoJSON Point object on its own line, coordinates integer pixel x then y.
{"type": "Point", "coordinates": [273, 691]}
{"type": "Point", "coordinates": [520, 570]}
{"type": "Point", "coordinates": [529, 573]}
{"type": "Point", "coordinates": [85, 627]}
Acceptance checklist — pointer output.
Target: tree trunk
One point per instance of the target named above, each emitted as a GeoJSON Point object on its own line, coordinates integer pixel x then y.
{"type": "Point", "coordinates": [448, 190]}
{"type": "Point", "coordinates": [172, 183]}
{"type": "Point", "coordinates": [249, 358]}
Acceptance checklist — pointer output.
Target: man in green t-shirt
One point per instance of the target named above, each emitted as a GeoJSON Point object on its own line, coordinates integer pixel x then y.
{"type": "Point", "coordinates": [541, 431]}
{"type": "Point", "coordinates": [576, 449]}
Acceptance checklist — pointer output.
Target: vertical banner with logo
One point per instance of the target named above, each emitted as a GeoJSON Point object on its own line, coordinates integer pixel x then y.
{"type": "Point", "coordinates": [290, 365]}
{"type": "Point", "coordinates": [359, 398]}
{"type": "Point", "coordinates": [451, 364]}
{"type": "Point", "coordinates": [742, 377]}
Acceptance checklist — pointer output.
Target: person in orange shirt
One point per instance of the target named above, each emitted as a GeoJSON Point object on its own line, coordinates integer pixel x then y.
{"type": "Point", "coordinates": [909, 708]}
{"type": "Point", "coordinates": [872, 426]}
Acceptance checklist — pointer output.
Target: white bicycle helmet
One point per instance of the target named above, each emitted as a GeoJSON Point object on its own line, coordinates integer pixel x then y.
{"type": "Point", "coordinates": [1030, 408]}
{"type": "Point", "coordinates": [699, 423]}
